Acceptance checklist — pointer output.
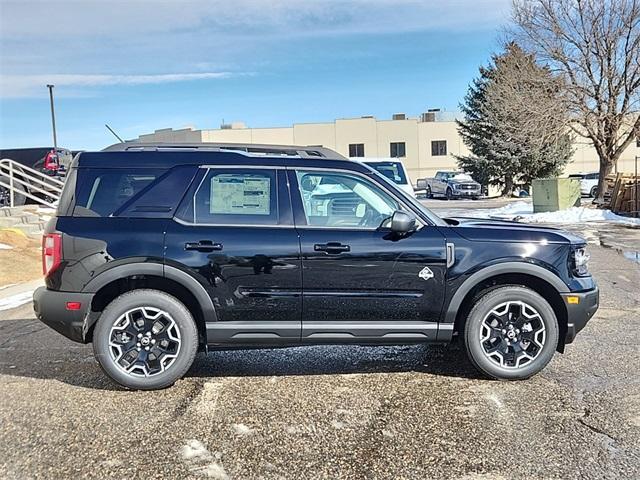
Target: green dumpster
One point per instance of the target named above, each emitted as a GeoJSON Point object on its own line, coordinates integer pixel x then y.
{"type": "Point", "coordinates": [552, 194]}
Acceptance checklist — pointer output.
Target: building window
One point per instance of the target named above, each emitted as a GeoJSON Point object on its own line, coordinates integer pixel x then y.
{"type": "Point", "coordinates": [398, 150]}
{"type": "Point", "coordinates": [356, 149]}
{"type": "Point", "coordinates": [438, 148]}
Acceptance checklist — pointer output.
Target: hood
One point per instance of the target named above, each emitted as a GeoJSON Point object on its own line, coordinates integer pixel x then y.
{"type": "Point", "coordinates": [488, 230]}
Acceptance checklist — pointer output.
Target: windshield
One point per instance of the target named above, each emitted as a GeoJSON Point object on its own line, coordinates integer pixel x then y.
{"type": "Point", "coordinates": [391, 170]}
{"type": "Point", "coordinates": [462, 176]}
{"type": "Point", "coordinates": [435, 219]}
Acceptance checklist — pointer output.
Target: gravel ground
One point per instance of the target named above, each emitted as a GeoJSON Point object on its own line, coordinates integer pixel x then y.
{"type": "Point", "coordinates": [331, 412]}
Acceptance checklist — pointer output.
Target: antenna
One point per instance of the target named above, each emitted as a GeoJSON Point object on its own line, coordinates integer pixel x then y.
{"type": "Point", "coordinates": [114, 133]}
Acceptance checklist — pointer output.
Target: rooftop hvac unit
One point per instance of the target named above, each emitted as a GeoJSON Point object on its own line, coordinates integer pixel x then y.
{"type": "Point", "coordinates": [398, 116]}
{"type": "Point", "coordinates": [428, 117]}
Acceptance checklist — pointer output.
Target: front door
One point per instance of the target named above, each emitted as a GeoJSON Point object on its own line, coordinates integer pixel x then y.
{"type": "Point", "coordinates": [234, 232]}
{"type": "Point", "coordinates": [362, 282]}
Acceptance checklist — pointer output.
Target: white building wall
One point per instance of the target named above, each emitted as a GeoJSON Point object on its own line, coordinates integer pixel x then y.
{"type": "Point", "coordinates": [377, 135]}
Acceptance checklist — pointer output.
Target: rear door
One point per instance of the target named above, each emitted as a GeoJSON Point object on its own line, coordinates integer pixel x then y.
{"type": "Point", "coordinates": [234, 233]}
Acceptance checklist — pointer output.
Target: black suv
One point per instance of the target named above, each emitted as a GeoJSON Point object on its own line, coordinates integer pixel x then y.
{"type": "Point", "coordinates": [159, 251]}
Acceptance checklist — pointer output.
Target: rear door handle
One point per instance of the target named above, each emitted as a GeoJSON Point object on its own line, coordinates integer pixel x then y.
{"type": "Point", "coordinates": [203, 246]}
{"type": "Point", "coordinates": [331, 247]}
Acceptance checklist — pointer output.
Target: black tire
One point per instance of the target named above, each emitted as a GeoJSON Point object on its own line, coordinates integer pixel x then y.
{"type": "Point", "coordinates": [449, 193]}
{"type": "Point", "coordinates": [594, 192]}
{"type": "Point", "coordinates": [475, 198]}
{"type": "Point", "coordinates": [181, 349]}
{"type": "Point", "coordinates": [19, 198]}
{"type": "Point", "coordinates": [488, 356]}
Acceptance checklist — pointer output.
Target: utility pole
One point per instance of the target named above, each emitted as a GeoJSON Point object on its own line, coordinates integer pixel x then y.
{"type": "Point", "coordinates": [53, 118]}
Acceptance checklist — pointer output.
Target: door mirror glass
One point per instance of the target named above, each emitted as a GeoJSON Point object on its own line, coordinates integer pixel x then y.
{"type": "Point", "coordinates": [402, 222]}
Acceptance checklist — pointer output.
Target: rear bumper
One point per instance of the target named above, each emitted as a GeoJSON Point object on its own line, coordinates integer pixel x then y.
{"type": "Point", "coordinates": [578, 314]}
{"type": "Point", "coordinates": [50, 307]}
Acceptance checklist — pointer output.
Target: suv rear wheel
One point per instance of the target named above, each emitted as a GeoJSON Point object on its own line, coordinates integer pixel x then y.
{"type": "Point", "coordinates": [145, 339]}
{"type": "Point", "coordinates": [511, 333]}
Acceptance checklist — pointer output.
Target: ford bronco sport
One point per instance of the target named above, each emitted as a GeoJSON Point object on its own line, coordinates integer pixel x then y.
{"type": "Point", "coordinates": [159, 251]}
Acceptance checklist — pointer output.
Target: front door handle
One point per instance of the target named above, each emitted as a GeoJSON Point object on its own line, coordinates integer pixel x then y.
{"type": "Point", "coordinates": [203, 246]}
{"type": "Point", "coordinates": [331, 247]}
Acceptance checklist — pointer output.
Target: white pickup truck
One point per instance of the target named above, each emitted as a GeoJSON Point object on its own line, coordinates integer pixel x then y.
{"type": "Point", "coordinates": [451, 185]}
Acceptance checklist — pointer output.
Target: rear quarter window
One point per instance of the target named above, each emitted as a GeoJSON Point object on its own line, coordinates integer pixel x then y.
{"type": "Point", "coordinates": [100, 192]}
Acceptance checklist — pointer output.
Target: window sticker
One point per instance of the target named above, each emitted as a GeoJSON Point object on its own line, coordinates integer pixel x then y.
{"type": "Point", "coordinates": [240, 195]}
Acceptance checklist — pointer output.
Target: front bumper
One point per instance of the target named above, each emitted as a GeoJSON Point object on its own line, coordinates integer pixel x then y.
{"type": "Point", "coordinates": [466, 193]}
{"type": "Point", "coordinates": [580, 312]}
{"type": "Point", "coordinates": [50, 307]}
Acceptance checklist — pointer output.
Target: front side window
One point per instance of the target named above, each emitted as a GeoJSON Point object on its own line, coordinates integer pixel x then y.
{"type": "Point", "coordinates": [341, 200]}
{"type": "Point", "coordinates": [356, 149]}
{"type": "Point", "coordinates": [398, 150]}
{"type": "Point", "coordinates": [438, 148]}
{"type": "Point", "coordinates": [235, 197]}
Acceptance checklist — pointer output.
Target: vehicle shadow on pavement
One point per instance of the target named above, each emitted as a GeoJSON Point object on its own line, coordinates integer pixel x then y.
{"type": "Point", "coordinates": [32, 350]}
{"type": "Point", "coordinates": [441, 360]}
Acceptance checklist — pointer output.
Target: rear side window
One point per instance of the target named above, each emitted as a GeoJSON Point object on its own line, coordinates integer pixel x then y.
{"type": "Point", "coordinates": [227, 196]}
{"type": "Point", "coordinates": [102, 191]}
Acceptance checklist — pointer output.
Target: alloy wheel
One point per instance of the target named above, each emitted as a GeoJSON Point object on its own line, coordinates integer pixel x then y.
{"type": "Point", "coordinates": [144, 341]}
{"type": "Point", "coordinates": [512, 334]}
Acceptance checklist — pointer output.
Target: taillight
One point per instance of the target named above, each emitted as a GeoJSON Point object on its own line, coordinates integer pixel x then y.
{"type": "Point", "coordinates": [51, 161]}
{"type": "Point", "coordinates": [51, 252]}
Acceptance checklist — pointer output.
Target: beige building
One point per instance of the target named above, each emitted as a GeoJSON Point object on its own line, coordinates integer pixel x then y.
{"type": "Point", "coordinates": [425, 144]}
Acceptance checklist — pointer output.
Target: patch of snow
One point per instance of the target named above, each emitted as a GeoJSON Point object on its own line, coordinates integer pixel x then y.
{"type": "Point", "coordinates": [494, 398]}
{"type": "Point", "coordinates": [14, 301]}
{"type": "Point", "coordinates": [46, 210]}
{"type": "Point", "coordinates": [195, 450]}
{"type": "Point", "coordinates": [242, 429]}
{"type": "Point", "coordinates": [523, 211]}
{"type": "Point", "coordinates": [214, 470]}
{"type": "Point", "coordinates": [5, 247]}
{"type": "Point", "coordinates": [337, 424]}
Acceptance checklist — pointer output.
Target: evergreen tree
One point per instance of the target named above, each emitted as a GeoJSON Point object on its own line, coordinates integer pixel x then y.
{"type": "Point", "coordinates": [515, 122]}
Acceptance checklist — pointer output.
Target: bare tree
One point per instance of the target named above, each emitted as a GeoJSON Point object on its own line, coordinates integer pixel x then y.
{"type": "Point", "coordinates": [595, 46]}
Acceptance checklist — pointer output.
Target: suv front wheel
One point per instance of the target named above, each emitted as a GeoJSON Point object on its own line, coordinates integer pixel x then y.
{"type": "Point", "coordinates": [145, 340]}
{"type": "Point", "coordinates": [511, 333]}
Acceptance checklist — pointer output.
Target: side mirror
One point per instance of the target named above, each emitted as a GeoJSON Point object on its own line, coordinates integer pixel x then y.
{"type": "Point", "coordinates": [402, 222]}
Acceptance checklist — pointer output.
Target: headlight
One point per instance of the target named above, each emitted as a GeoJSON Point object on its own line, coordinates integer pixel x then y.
{"type": "Point", "coordinates": [456, 186]}
{"type": "Point", "coordinates": [580, 262]}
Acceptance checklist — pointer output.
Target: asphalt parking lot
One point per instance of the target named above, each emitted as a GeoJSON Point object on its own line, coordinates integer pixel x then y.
{"type": "Point", "coordinates": [335, 412]}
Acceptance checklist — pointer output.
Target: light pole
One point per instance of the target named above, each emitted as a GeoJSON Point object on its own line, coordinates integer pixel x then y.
{"type": "Point", "coordinates": [637, 202]}
{"type": "Point", "coordinates": [53, 119]}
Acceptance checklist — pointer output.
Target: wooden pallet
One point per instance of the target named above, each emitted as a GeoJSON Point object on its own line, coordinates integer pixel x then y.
{"type": "Point", "coordinates": [619, 195]}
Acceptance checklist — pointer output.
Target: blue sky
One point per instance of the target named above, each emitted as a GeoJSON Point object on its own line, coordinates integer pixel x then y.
{"type": "Point", "coordinates": [141, 65]}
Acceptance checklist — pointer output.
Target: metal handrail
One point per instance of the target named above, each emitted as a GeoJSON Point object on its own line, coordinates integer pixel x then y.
{"type": "Point", "coordinates": [51, 185]}
{"type": "Point", "coordinates": [27, 176]}
{"type": "Point", "coordinates": [32, 171]}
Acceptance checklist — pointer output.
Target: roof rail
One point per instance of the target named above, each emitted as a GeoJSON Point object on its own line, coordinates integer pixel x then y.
{"type": "Point", "coordinates": [244, 148]}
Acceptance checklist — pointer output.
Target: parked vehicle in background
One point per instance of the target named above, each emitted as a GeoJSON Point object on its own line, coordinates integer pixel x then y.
{"type": "Point", "coordinates": [588, 183]}
{"type": "Point", "coordinates": [158, 251]}
{"type": "Point", "coordinates": [450, 184]}
{"type": "Point", "coordinates": [46, 160]}
{"type": "Point", "coordinates": [394, 170]}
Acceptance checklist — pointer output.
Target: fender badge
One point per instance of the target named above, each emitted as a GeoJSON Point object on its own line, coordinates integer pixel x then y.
{"type": "Point", "coordinates": [425, 273]}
